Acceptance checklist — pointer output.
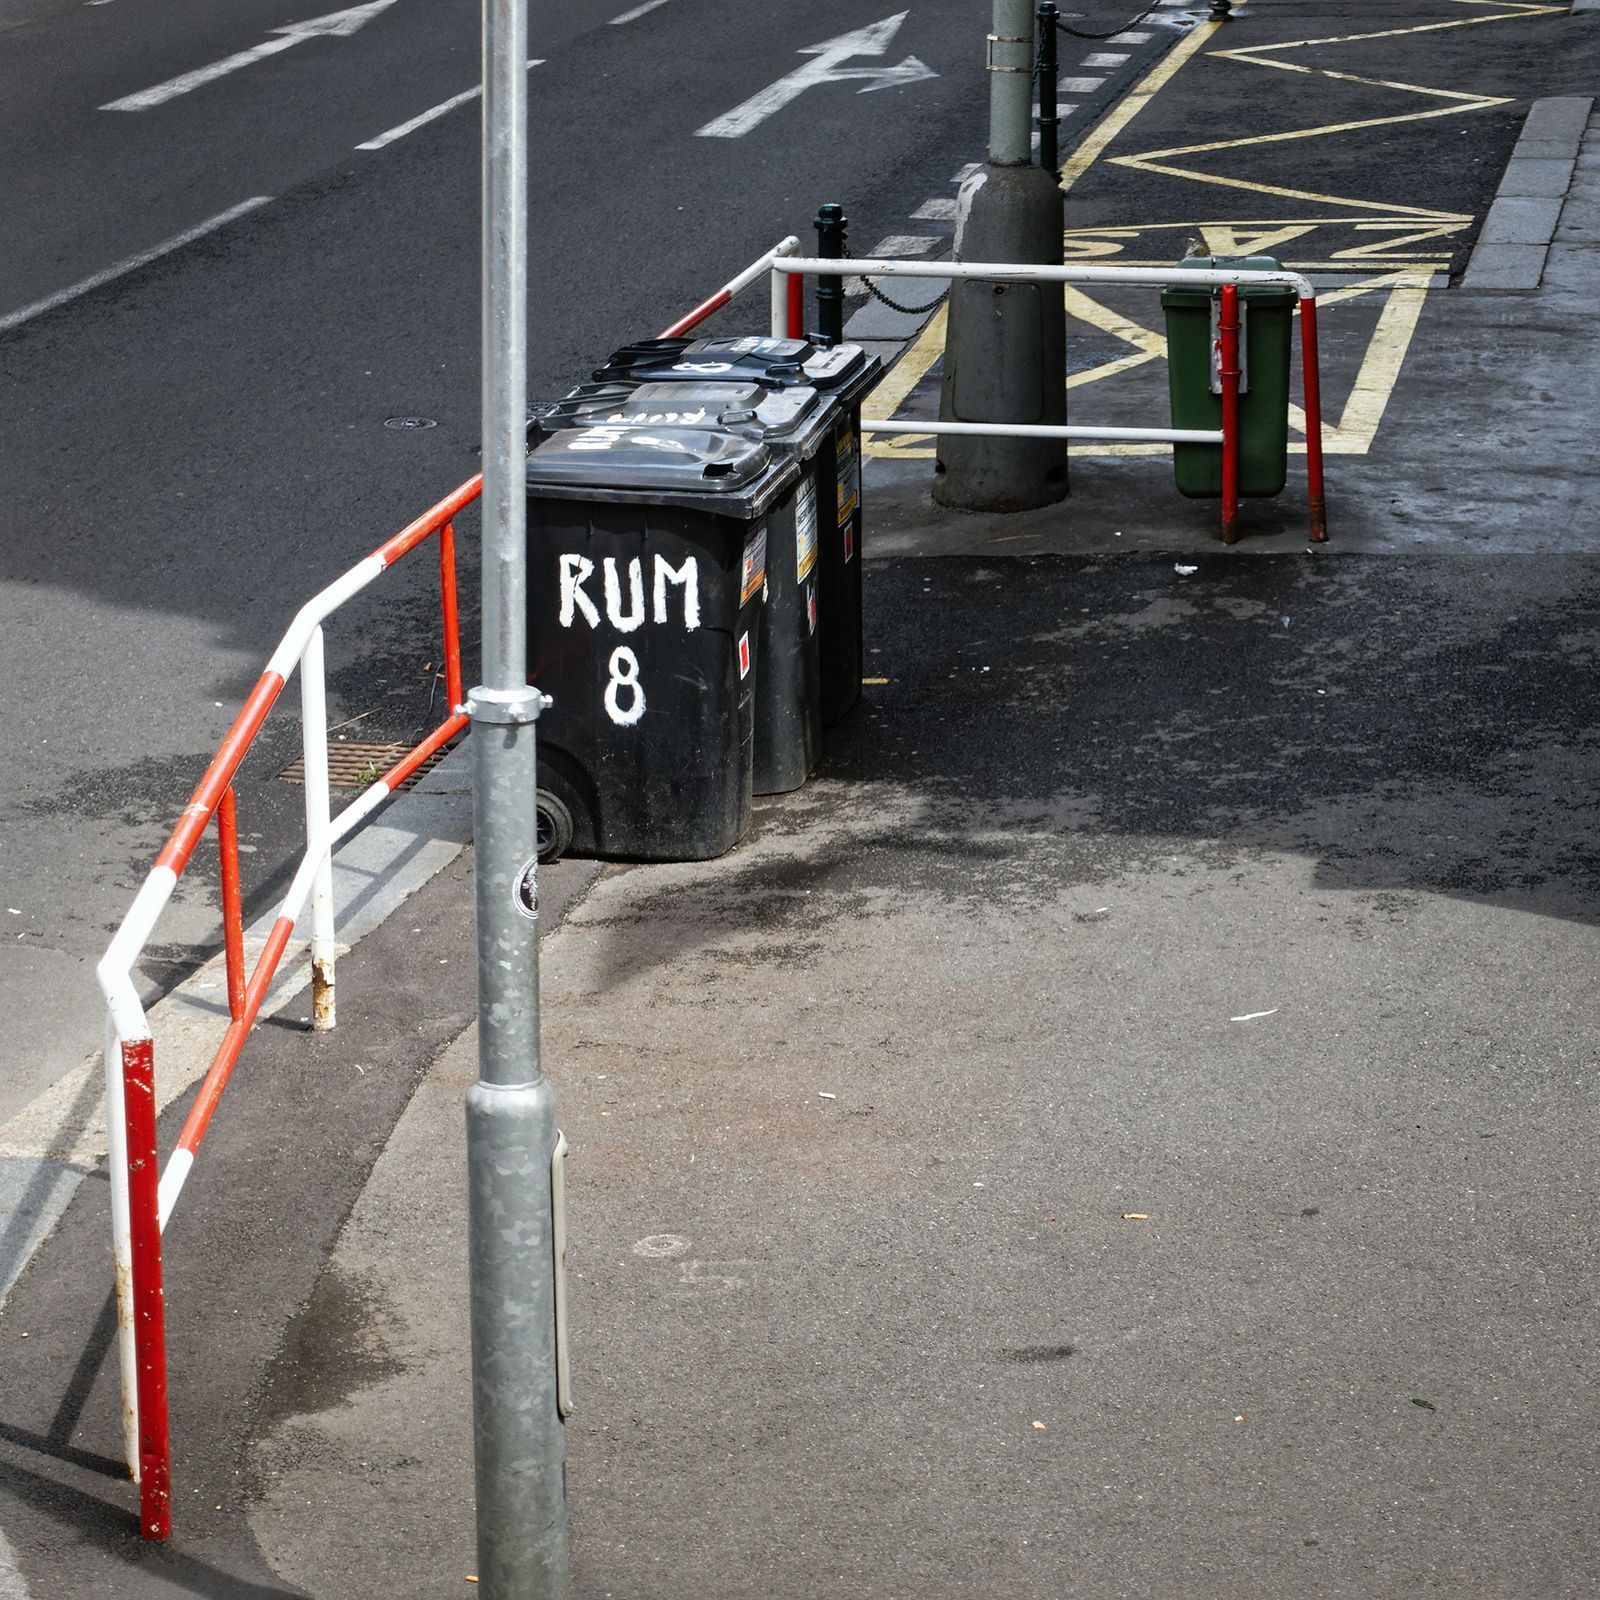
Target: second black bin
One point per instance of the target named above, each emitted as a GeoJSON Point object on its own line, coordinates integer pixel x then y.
{"type": "Point", "coordinates": [831, 456]}
{"type": "Point", "coordinates": [646, 566]}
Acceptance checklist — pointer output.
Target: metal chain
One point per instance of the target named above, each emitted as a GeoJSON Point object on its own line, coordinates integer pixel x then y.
{"type": "Point", "coordinates": [1080, 34]}
{"type": "Point", "coordinates": [893, 305]}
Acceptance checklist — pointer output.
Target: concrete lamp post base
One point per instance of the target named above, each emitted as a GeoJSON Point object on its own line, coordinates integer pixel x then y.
{"type": "Point", "coordinates": [1005, 347]}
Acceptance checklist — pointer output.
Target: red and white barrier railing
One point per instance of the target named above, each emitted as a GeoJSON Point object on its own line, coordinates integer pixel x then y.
{"type": "Point", "coordinates": [141, 1202]}
{"type": "Point", "coordinates": [788, 296]}
{"type": "Point", "coordinates": [788, 304]}
{"type": "Point", "coordinates": [1227, 281]}
{"type": "Point", "coordinates": [142, 1194]}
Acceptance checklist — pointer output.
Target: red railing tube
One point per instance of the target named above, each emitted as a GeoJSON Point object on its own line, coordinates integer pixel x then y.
{"type": "Point", "coordinates": [1315, 496]}
{"type": "Point", "coordinates": [454, 692]}
{"type": "Point", "coordinates": [149, 1309]}
{"type": "Point", "coordinates": [208, 792]}
{"type": "Point", "coordinates": [797, 306]}
{"type": "Point", "coordinates": [442, 735]}
{"type": "Point", "coordinates": [232, 899]}
{"type": "Point", "coordinates": [1228, 371]}
{"type": "Point", "coordinates": [694, 318]}
{"type": "Point", "coordinates": [216, 1079]}
{"type": "Point", "coordinates": [431, 520]}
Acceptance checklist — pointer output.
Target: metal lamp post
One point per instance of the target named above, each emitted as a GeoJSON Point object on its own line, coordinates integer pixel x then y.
{"type": "Point", "coordinates": [519, 1451]}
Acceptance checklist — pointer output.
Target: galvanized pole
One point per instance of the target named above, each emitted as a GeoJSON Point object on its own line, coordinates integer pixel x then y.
{"type": "Point", "coordinates": [511, 1115]}
{"type": "Point", "coordinates": [1011, 50]}
{"type": "Point", "coordinates": [1005, 356]}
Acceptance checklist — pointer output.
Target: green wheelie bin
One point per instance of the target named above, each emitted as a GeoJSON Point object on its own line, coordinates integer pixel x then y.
{"type": "Point", "coordinates": [1266, 315]}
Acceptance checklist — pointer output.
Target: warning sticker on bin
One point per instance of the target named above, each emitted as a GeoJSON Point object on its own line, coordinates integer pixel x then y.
{"type": "Point", "coordinates": [805, 532]}
{"type": "Point", "coordinates": [744, 655]}
{"type": "Point", "coordinates": [849, 459]}
{"type": "Point", "coordinates": [754, 572]}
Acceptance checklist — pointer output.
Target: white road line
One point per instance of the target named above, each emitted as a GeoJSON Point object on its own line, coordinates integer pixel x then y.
{"type": "Point", "coordinates": [904, 244]}
{"type": "Point", "coordinates": [422, 120]}
{"type": "Point", "coordinates": [428, 116]}
{"type": "Point", "coordinates": [133, 263]}
{"type": "Point", "coordinates": [336, 24]}
{"type": "Point", "coordinates": [637, 12]}
{"type": "Point", "coordinates": [1103, 58]}
{"type": "Point", "coordinates": [940, 209]}
{"type": "Point", "coordinates": [1131, 38]}
{"type": "Point", "coordinates": [1080, 85]}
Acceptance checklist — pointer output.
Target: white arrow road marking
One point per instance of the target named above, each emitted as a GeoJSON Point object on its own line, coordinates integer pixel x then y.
{"type": "Point", "coordinates": [338, 24]}
{"type": "Point", "coordinates": [872, 40]}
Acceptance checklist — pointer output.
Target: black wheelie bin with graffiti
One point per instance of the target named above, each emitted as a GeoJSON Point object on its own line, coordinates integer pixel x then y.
{"type": "Point", "coordinates": [646, 569]}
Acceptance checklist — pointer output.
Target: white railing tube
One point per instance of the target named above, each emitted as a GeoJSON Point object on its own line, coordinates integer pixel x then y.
{"type": "Point", "coordinates": [122, 1244]}
{"type": "Point", "coordinates": [1037, 430]}
{"type": "Point", "coordinates": [320, 605]}
{"type": "Point", "coordinates": [780, 287]}
{"type": "Point", "coordinates": [319, 830]}
{"type": "Point", "coordinates": [1022, 272]}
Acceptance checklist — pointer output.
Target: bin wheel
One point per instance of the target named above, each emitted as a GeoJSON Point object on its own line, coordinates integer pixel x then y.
{"type": "Point", "coordinates": [554, 829]}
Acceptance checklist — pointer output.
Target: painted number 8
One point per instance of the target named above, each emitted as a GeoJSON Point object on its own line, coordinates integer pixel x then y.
{"type": "Point", "coordinates": [624, 675]}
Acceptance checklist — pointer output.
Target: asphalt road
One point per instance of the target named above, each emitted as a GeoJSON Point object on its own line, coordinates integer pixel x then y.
{"type": "Point", "coordinates": [197, 445]}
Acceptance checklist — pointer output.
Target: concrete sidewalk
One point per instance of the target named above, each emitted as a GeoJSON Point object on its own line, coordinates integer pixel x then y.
{"type": "Point", "coordinates": [1126, 1129]}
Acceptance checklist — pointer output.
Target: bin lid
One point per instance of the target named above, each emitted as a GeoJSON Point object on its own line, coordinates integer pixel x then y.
{"type": "Point", "coordinates": [1184, 294]}
{"type": "Point", "coordinates": [774, 363]}
{"type": "Point", "coordinates": [702, 469]}
{"type": "Point", "coordinates": [778, 416]}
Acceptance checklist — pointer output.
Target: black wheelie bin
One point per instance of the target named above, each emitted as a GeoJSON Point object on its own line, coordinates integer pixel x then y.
{"type": "Point", "coordinates": [797, 420]}
{"type": "Point", "coordinates": [830, 454]}
{"type": "Point", "coordinates": [646, 569]}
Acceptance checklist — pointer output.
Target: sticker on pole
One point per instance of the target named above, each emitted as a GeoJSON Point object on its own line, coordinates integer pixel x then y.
{"type": "Point", "coordinates": [850, 541]}
{"type": "Point", "coordinates": [811, 607]}
{"type": "Point", "coordinates": [754, 571]}
{"type": "Point", "coordinates": [526, 892]}
{"type": "Point", "coordinates": [849, 459]}
{"type": "Point", "coordinates": [805, 532]}
{"type": "Point", "coordinates": [744, 656]}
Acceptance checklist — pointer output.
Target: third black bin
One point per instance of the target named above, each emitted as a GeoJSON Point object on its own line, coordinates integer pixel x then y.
{"type": "Point", "coordinates": [832, 457]}
{"type": "Point", "coordinates": [646, 564]}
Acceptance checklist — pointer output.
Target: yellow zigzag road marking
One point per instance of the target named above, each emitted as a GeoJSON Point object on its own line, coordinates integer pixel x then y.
{"type": "Point", "coordinates": [1260, 236]}
{"type": "Point", "coordinates": [1363, 410]}
{"type": "Point", "coordinates": [1407, 291]}
{"type": "Point", "coordinates": [1105, 131]}
{"type": "Point", "coordinates": [1353, 434]}
{"type": "Point", "coordinates": [1159, 160]}
{"type": "Point", "coordinates": [928, 346]}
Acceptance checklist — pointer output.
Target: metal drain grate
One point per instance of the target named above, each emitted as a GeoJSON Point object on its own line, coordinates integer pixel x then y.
{"type": "Point", "coordinates": [354, 764]}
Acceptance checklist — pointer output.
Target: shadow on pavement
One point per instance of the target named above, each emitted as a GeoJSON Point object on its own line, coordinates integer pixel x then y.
{"type": "Point", "coordinates": [1410, 726]}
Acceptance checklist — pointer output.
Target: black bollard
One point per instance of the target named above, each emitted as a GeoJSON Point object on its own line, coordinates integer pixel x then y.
{"type": "Point", "coordinates": [831, 225]}
{"type": "Point", "coordinates": [1049, 72]}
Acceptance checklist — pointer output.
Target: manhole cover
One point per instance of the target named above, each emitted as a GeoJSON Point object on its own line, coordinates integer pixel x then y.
{"type": "Point", "coordinates": [406, 423]}
{"type": "Point", "coordinates": [353, 764]}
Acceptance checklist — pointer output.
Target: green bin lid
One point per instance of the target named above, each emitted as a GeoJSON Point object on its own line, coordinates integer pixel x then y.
{"type": "Point", "coordinates": [1184, 294]}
